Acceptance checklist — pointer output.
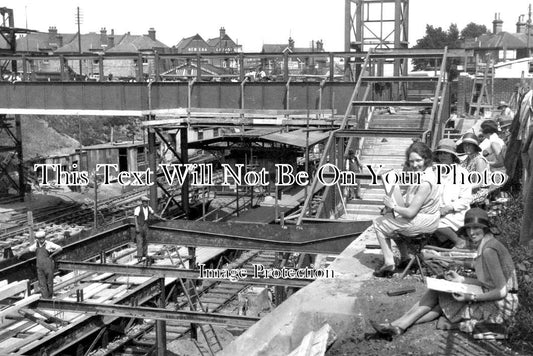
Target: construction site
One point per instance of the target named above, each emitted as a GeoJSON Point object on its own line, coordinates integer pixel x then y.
{"type": "Point", "coordinates": [241, 262]}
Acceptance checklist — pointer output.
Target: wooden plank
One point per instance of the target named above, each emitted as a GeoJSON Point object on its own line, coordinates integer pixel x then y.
{"type": "Point", "coordinates": [13, 310]}
{"type": "Point", "coordinates": [12, 289]}
{"type": "Point", "coordinates": [18, 344]}
{"type": "Point", "coordinates": [315, 343]}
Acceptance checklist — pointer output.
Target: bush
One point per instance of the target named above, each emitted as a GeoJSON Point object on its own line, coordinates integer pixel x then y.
{"type": "Point", "coordinates": [509, 222]}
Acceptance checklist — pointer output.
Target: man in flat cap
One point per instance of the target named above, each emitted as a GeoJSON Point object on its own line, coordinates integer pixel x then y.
{"type": "Point", "coordinates": [45, 251]}
{"type": "Point", "coordinates": [144, 215]}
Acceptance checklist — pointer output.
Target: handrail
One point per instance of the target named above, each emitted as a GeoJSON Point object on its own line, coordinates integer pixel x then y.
{"type": "Point", "coordinates": [332, 138]}
{"type": "Point", "coordinates": [404, 53]}
{"type": "Point", "coordinates": [439, 117]}
{"type": "Point", "coordinates": [436, 98]}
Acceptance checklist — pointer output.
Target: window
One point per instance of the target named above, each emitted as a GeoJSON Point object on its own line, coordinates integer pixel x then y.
{"type": "Point", "coordinates": [507, 54]}
{"type": "Point", "coordinates": [200, 134]}
{"type": "Point", "coordinates": [216, 132]}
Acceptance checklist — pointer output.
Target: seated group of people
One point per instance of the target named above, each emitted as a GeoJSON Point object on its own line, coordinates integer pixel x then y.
{"type": "Point", "coordinates": [444, 210]}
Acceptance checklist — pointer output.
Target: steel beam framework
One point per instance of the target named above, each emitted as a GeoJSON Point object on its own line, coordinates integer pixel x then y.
{"type": "Point", "coordinates": [146, 313]}
{"type": "Point", "coordinates": [170, 272]}
{"type": "Point", "coordinates": [11, 160]}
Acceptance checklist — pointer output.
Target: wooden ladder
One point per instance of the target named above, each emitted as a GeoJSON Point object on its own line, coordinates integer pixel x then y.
{"type": "Point", "coordinates": [482, 88]}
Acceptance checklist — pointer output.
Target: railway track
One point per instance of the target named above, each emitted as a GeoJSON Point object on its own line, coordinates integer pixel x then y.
{"type": "Point", "coordinates": [73, 217]}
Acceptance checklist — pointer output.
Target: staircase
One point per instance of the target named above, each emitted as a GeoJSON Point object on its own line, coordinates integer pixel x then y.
{"type": "Point", "coordinates": [386, 151]}
{"type": "Point", "coordinates": [382, 137]}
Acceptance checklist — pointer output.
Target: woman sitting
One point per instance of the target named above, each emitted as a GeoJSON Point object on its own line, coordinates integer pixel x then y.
{"type": "Point", "coordinates": [419, 215]}
{"type": "Point", "coordinates": [455, 196]}
{"type": "Point", "coordinates": [493, 146]}
{"type": "Point", "coordinates": [474, 162]}
{"type": "Point", "coordinates": [495, 273]}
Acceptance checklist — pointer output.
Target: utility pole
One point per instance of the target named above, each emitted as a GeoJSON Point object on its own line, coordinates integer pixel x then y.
{"type": "Point", "coordinates": [79, 19]}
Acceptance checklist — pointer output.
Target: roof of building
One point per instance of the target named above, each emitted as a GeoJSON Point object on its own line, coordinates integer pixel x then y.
{"type": "Point", "coordinates": [499, 41]}
{"type": "Point", "coordinates": [115, 145]}
{"type": "Point", "coordinates": [40, 41]}
{"type": "Point", "coordinates": [90, 42]}
{"type": "Point", "coordinates": [297, 138]}
{"type": "Point", "coordinates": [207, 69]}
{"type": "Point", "coordinates": [193, 41]}
{"type": "Point", "coordinates": [226, 41]}
{"type": "Point", "coordinates": [136, 43]}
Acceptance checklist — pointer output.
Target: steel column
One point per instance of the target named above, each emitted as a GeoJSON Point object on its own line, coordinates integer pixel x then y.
{"type": "Point", "coordinates": [184, 140]}
{"type": "Point", "coordinates": [152, 164]}
{"type": "Point", "coordinates": [22, 180]}
{"type": "Point", "coordinates": [161, 325]}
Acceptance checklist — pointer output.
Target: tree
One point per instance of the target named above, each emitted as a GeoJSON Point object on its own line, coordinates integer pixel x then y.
{"type": "Point", "coordinates": [436, 38]}
{"type": "Point", "coordinates": [473, 30]}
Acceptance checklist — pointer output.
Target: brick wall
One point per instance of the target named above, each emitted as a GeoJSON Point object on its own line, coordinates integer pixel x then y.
{"type": "Point", "coordinates": [503, 90]}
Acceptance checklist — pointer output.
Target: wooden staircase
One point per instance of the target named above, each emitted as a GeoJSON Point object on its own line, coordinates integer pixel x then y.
{"type": "Point", "coordinates": [382, 137]}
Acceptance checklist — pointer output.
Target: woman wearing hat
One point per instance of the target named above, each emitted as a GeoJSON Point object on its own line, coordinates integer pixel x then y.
{"type": "Point", "coordinates": [493, 146]}
{"type": "Point", "coordinates": [495, 273]}
{"type": "Point", "coordinates": [474, 162]}
{"type": "Point", "coordinates": [454, 197]}
{"type": "Point", "coordinates": [419, 215]}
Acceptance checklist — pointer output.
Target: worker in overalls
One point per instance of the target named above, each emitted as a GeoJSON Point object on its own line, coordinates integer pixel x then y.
{"type": "Point", "coordinates": [44, 254]}
{"type": "Point", "coordinates": [144, 215]}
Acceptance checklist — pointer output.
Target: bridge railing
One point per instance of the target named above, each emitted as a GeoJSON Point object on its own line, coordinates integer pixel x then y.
{"type": "Point", "coordinates": [161, 66]}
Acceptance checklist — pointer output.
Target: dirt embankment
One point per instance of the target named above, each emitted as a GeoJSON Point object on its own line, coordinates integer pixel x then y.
{"type": "Point", "coordinates": [423, 339]}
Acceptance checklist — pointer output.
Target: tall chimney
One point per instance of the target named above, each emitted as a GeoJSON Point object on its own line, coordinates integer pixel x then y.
{"type": "Point", "coordinates": [521, 26]}
{"type": "Point", "coordinates": [111, 39]}
{"type": "Point", "coordinates": [319, 46]}
{"type": "Point", "coordinates": [222, 32]}
{"type": "Point", "coordinates": [291, 44]}
{"type": "Point", "coordinates": [52, 35]}
{"type": "Point", "coordinates": [103, 36]}
{"type": "Point", "coordinates": [497, 24]}
{"type": "Point", "coordinates": [151, 33]}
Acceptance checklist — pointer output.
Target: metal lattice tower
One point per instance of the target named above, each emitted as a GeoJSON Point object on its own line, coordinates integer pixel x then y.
{"type": "Point", "coordinates": [377, 24]}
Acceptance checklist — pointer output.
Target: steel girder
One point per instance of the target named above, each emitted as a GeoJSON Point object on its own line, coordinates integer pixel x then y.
{"type": "Point", "coordinates": [330, 238]}
{"type": "Point", "coordinates": [71, 335]}
{"type": "Point", "coordinates": [170, 272]}
{"type": "Point", "coordinates": [146, 313]}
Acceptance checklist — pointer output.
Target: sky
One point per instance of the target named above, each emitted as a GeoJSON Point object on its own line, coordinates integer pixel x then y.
{"type": "Point", "coordinates": [251, 23]}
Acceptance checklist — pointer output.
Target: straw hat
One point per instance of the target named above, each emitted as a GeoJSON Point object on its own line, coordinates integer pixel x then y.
{"type": "Point", "coordinates": [40, 234]}
{"type": "Point", "coordinates": [447, 145]}
{"type": "Point", "coordinates": [145, 198]}
{"type": "Point", "coordinates": [469, 137]}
